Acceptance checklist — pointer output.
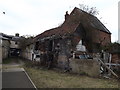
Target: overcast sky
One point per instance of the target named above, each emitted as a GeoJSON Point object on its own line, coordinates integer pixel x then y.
{"type": "Point", "coordinates": [32, 17]}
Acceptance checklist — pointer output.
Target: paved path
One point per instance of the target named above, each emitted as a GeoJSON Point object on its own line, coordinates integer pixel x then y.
{"type": "Point", "coordinates": [15, 77]}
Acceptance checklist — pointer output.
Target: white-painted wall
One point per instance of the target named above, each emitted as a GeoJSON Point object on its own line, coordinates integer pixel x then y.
{"type": "Point", "coordinates": [27, 53]}
{"type": "Point", "coordinates": [13, 45]}
{"type": "Point", "coordinates": [80, 46]}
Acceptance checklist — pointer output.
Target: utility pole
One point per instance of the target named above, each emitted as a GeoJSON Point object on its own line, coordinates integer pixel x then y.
{"type": "Point", "coordinates": [119, 22]}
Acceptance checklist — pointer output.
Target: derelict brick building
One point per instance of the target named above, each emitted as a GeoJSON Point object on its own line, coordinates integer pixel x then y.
{"type": "Point", "coordinates": [79, 32]}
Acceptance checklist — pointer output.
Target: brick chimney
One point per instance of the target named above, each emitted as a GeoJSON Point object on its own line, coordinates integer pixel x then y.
{"type": "Point", "coordinates": [17, 34]}
{"type": "Point", "coordinates": [66, 15]}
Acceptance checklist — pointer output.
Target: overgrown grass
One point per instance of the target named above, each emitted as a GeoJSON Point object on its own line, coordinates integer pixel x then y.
{"type": "Point", "coordinates": [44, 78]}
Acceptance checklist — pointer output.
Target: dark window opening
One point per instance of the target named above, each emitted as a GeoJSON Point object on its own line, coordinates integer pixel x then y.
{"type": "Point", "coordinates": [50, 45]}
{"type": "Point", "coordinates": [37, 56]}
{"type": "Point", "coordinates": [16, 42]}
{"type": "Point", "coordinates": [36, 45]}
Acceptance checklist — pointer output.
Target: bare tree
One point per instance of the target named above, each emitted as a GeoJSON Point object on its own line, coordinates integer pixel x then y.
{"type": "Point", "coordinates": [89, 10]}
{"type": "Point", "coordinates": [24, 41]}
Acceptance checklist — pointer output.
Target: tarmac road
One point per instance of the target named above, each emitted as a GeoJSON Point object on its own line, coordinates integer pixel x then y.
{"type": "Point", "coordinates": [16, 78]}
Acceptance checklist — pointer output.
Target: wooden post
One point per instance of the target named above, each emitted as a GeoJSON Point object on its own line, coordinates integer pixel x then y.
{"type": "Point", "coordinates": [73, 55]}
{"type": "Point", "coordinates": [110, 57]}
{"type": "Point", "coordinates": [108, 68]}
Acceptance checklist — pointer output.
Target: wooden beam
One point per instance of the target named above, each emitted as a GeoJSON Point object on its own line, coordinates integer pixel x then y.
{"type": "Point", "coordinates": [108, 68]}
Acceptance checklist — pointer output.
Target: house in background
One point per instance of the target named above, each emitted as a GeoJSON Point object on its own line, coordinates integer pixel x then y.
{"type": "Point", "coordinates": [80, 32]}
{"type": "Point", "coordinates": [114, 49]}
{"type": "Point", "coordinates": [9, 45]}
{"type": "Point", "coordinates": [5, 45]}
{"type": "Point", "coordinates": [27, 48]}
{"type": "Point", "coordinates": [28, 52]}
{"type": "Point", "coordinates": [14, 45]}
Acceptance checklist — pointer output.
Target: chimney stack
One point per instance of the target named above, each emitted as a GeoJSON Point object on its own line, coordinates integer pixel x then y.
{"type": "Point", "coordinates": [66, 15]}
{"type": "Point", "coordinates": [17, 34]}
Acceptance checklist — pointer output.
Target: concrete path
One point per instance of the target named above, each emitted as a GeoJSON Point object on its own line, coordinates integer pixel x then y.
{"type": "Point", "coordinates": [15, 77]}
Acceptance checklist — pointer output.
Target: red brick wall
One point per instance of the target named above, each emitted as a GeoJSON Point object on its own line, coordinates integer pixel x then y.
{"type": "Point", "coordinates": [101, 37]}
{"type": "Point", "coordinates": [75, 41]}
{"type": "Point", "coordinates": [115, 58]}
{"type": "Point", "coordinates": [96, 36]}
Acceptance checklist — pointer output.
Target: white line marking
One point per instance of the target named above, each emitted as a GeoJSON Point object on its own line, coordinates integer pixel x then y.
{"type": "Point", "coordinates": [30, 79]}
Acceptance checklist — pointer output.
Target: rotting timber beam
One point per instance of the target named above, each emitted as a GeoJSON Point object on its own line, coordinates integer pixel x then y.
{"type": "Point", "coordinates": [108, 68]}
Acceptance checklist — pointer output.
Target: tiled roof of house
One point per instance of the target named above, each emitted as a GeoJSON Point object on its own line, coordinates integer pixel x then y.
{"type": "Point", "coordinates": [5, 36]}
{"type": "Point", "coordinates": [75, 18]}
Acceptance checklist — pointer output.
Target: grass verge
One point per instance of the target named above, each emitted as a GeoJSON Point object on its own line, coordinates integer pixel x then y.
{"type": "Point", "coordinates": [44, 78]}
